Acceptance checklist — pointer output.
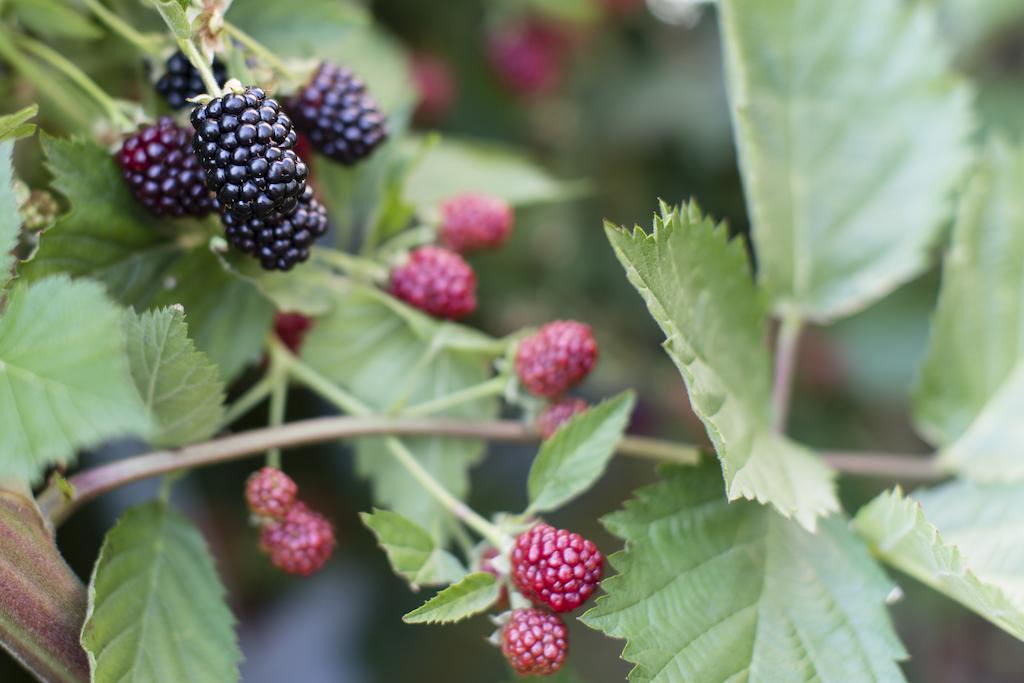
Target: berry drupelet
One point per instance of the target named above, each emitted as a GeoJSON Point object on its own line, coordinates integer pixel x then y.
{"type": "Point", "coordinates": [163, 172]}
{"type": "Point", "coordinates": [300, 543]}
{"type": "Point", "coordinates": [534, 642]}
{"type": "Point", "coordinates": [437, 281]}
{"type": "Point", "coordinates": [181, 80]}
{"type": "Point", "coordinates": [282, 240]}
{"type": "Point", "coordinates": [555, 567]}
{"type": "Point", "coordinates": [474, 221]}
{"type": "Point", "coordinates": [270, 493]}
{"type": "Point", "coordinates": [559, 356]}
{"type": "Point", "coordinates": [244, 143]}
{"type": "Point", "coordinates": [337, 114]}
{"type": "Point", "coordinates": [557, 413]}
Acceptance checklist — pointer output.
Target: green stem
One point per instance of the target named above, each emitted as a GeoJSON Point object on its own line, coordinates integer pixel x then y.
{"type": "Point", "coordinates": [190, 50]}
{"type": "Point", "coordinates": [363, 268]}
{"type": "Point", "coordinates": [278, 404]}
{"type": "Point", "coordinates": [148, 44]}
{"type": "Point", "coordinates": [260, 50]}
{"type": "Point", "coordinates": [249, 400]}
{"type": "Point", "coordinates": [786, 347]}
{"type": "Point", "coordinates": [79, 78]}
{"type": "Point", "coordinates": [408, 239]}
{"type": "Point", "coordinates": [492, 387]}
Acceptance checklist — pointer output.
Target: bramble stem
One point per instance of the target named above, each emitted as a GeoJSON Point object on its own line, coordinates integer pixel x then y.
{"type": "Point", "coordinates": [258, 49]}
{"type": "Point", "coordinates": [189, 49]}
{"type": "Point", "coordinates": [786, 347]}
{"type": "Point", "coordinates": [492, 387]}
{"type": "Point", "coordinates": [278, 405]}
{"type": "Point", "coordinates": [147, 44]}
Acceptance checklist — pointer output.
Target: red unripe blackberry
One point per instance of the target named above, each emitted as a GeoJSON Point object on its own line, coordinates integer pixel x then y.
{"type": "Point", "coordinates": [244, 143]}
{"type": "Point", "coordinates": [557, 413]}
{"type": "Point", "coordinates": [337, 114]}
{"type": "Point", "coordinates": [555, 567]}
{"type": "Point", "coordinates": [282, 240]}
{"type": "Point", "coordinates": [534, 642]}
{"type": "Point", "coordinates": [474, 221]}
{"type": "Point", "coordinates": [300, 543]}
{"type": "Point", "coordinates": [435, 83]}
{"type": "Point", "coordinates": [528, 57]}
{"type": "Point", "coordinates": [291, 329]}
{"type": "Point", "coordinates": [437, 281]}
{"type": "Point", "coordinates": [269, 492]}
{"type": "Point", "coordinates": [555, 359]}
{"type": "Point", "coordinates": [181, 80]}
{"type": "Point", "coordinates": [163, 172]}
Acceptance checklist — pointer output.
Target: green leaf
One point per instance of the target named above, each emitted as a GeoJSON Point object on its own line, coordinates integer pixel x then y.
{"type": "Point", "coordinates": [411, 550]}
{"type": "Point", "coordinates": [173, 13]}
{"type": "Point", "coordinates": [456, 166]}
{"type": "Point", "coordinates": [846, 198]}
{"type": "Point", "coordinates": [972, 381]}
{"type": "Point", "coordinates": [10, 218]}
{"type": "Point", "coordinates": [697, 286]}
{"type": "Point", "coordinates": [157, 611]}
{"type": "Point", "coordinates": [55, 19]}
{"type": "Point", "coordinates": [980, 563]}
{"type": "Point", "coordinates": [709, 591]}
{"type": "Point", "coordinates": [576, 456]}
{"type": "Point", "coordinates": [390, 360]}
{"type": "Point", "coordinates": [63, 376]}
{"type": "Point", "coordinates": [310, 290]}
{"type": "Point", "coordinates": [14, 126]}
{"type": "Point", "coordinates": [472, 595]}
{"type": "Point", "coordinates": [177, 384]}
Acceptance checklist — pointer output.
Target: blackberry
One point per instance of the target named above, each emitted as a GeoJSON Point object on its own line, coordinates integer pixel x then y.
{"type": "Point", "coordinates": [557, 413]}
{"type": "Point", "coordinates": [437, 281]}
{"type": "Point", "coordinates": [270, 493]}
{"type": "Point", "coordinates": [556, 358]}
{"type": "Point", "coordinates": [473, 221]}
{"type": "Point", "coordinates": [555, 567]}
{"type": "Point", "coordinates": [338, 116]}
{"type": "Point", "coordinates": [282, 240]}
{"type": "Point", "coordinates": [535, 643]}
{"type": "Point", "coordinates": [163, 172]}
{"type": "Point", "coordinates": [181, 80]}
{"type": "Point", "coordinates": [244, 143]}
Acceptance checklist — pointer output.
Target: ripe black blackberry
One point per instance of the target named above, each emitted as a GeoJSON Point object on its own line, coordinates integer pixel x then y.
{"type": "Point", "coordinates": [163, 172]}
{"type": "Point", "coordinates": [281, 241]}
{"type": "Point", "coordinates": [244, 142]}
{"type": "Point", "coordinates": [181, 80]}
{"type": "Point", "coordinates": [338, 116]}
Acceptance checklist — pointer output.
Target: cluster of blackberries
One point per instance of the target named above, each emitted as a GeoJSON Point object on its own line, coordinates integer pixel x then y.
{"type": "Point", "coordinates": [241, 159]}
{"type": "Point", "coordinates": [298, 540]}
{"type": "Point", "coordinates": [558, 571]}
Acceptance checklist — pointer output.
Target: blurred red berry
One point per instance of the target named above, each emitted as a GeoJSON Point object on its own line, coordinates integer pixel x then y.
{"type": "Point", "coordinates": [437, 281]}
{"type": "Point", "coordinates": [557, 413]}
{"type": "Point", "coordinates": [291, 329]}
{"type": "Point", "coordinates": [474, 221]}
{"type": "Point", "coordinates": [270, 492]}
{"type": "Point", "coordinates": [534, 642]}
{"type": "Point", "coordinates": [556, 358]}
{"type": "Point", "coordinates": [528, 57]}
{"type": "Point", "coordinates": [555, 567]}
{"type": "Point", "coordinates": [436, 85]}
{"type": "Point", "coordinates": [300, 543]}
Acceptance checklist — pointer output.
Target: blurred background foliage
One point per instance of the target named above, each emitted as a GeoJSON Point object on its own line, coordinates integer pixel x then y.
{"type": "Point", "coordinates": [628, 96]}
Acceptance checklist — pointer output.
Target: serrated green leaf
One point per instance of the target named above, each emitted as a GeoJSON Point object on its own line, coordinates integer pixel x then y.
{"type": "Point", "coordinates": [846, 198]}
{"type": "Point", "coordinates": [63, 376]}
{"type": "Point", "coordinates": [971, 384]}
{"type": "Point", "coordinates": [157, 610]}
{"type": "Point", "coordinates": [178, 385]}
{"type": "Point", "coordinates": [376, 354]}
{"type": "Point", "coordinates": [979, 518]}
{"type": "Point", "coordinates": [10, 218]}
{"type": "Point", "coordinates": [55, 19]}
{"type": "Point", "coordinates": [576, 456]}
{"type": "Point", "coordinates": [411, 550]}
{"type": "Point", "coordinates": [455, 166]}
{"type": "Point", "coordinates": [709, 591]}
{"type": "Point", "coordinates": [472, 595]}
{"type": "Point", "coordinates": [698, 287]}
{"type": "Point", "coordinates": [14, 126]}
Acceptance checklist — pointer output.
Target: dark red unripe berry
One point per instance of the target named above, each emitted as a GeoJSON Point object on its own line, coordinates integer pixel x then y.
{"type": "Point", "coordinates": [435, 83]}
{"type": "Point", "coordinates": [528, 57]}
{"type": "Point", "coordinates": [163, 172]}
{"type": "Point", "coordinates": [555, 567]}
{"type": "Point", "coordinates": [555, 359]}
{"type": "Point", "coordinates": [557, 413]}
{"type": "Point", "coordinates": [291, 329]}
{"type": "Point", "coordinates": [534, 642]}
{"type": "Point", "coordinates": [474, 221]}
{"type": "Point", "coordinates": [269, 492]}
{"type": "Point", "coordinates": [337, 114]}
{"type": "Point", "coordinates": [300, 543]}
{"type": "Point", "coordinates": [437, 281]}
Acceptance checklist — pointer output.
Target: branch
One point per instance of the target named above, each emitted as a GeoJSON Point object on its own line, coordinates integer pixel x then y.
{"type": "Point", "coordinates": [96, 481]}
